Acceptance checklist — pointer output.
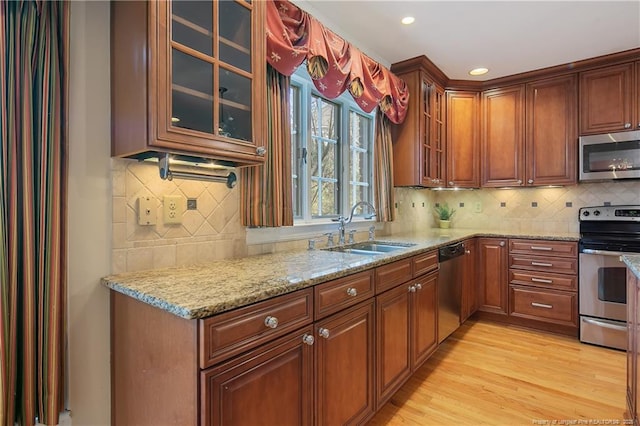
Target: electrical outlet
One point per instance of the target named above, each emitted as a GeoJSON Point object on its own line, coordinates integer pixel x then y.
{"type": "Point", "coordinates": [477, 207]}
{"type": "Point", "coordinates": [173, 207]}
{"type": "Point", "coordinates": [147, 211]}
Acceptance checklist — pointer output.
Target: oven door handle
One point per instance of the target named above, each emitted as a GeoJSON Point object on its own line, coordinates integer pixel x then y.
{"type": "Point", "coordinates": [603, 252]}
{"type": "Point", "coordinates": [604, 324]}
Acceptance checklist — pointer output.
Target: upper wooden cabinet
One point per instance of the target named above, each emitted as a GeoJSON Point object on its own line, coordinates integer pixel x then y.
{"type": "Point", "coordinates": [188, 78]}
{"type": "Point", "coordinates": [610, 99]}
{"type": "Point", "coordinates": [529, 134]}
{"type": "Point", "coordinates": [418, 143]}
{"type": "Point", "coordinates": [463, 139]}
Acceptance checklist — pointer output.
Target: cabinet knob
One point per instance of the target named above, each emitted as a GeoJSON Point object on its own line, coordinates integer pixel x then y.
{"type": "Point", "coordinates": [352, 292]}
{"type": "Point", "coordinates": [530, 181]}
{"type": "Point", "coordinates": [261, 150]}
{"type": "Point", "coordinates": [467, 251]}
{"type": "Point", "coordinates": [308, 339]}
{"type": "Point", "coordinates": [501, 243]}
{"type": "Point", "coordinates": [324, 332]}
{"type": "Point", "coordinates": [627, 125]}
{"type": "Point", "coordinates": [418, 286]}
{"type": "Point", "coordinates": [451, 183]}
{"type": "Point", "coordinates": [271, 322]}
{"type": "Point", "coordinates": [519, 181]}
{"type": "Point", "coordinates": [412, 289]}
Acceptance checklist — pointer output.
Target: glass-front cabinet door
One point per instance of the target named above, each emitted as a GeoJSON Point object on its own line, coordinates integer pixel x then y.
{"type": "Point", "coordinates": [211, 73]}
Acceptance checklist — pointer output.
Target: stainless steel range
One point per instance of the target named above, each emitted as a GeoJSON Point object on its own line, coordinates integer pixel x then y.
{"type": "Point", "coordinates": [606, 232]}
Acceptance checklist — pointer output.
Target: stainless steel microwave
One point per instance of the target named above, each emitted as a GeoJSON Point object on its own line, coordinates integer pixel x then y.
{"type": "Point", "coordinates": [610, 156]}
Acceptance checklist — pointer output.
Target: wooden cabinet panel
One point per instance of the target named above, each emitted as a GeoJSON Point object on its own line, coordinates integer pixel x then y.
{"type": "Point", "coordinates": [275, 379]}
{"type": "Point", "coordinates": [551, 131]}
{"type": "Point", "coordinates": [424, 332]}
{"type": "Point", "coordinates": [392, 274]}
{"type": "Point", "coordinates": [544, 305]}
{"type": "Point", "coordinates": [543, 248]}
{"type": "Point", "coordinates": [469, 303]}
{"type": "Point", "coordinates": [345, 367]}
{"type": "Point", "coordinates": [393, 364]}
{"type": "Point", "coordinates": [543, 279]}
{"type": "Point", "coordinates": [233, 332]}
{"type": "Point", "coordinates": [339, 294]}
{"type": "Point", "coordinates": [502, 155]}
{"type": "Point", "coordinates": [632, 345]}
{"type": "Point", "coordinates": [463, 139]}
{"type": "Point", "coordinates": [425, 263]}
{"type": "Point", "coordinates": [608, 99]}
{"type": "Point", "coordinates": [493, 286]}
{"type": "Point", "coordinates": [548, 264]}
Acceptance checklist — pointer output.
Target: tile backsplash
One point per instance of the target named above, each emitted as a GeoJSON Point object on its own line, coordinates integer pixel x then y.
{"type": "Point", "coordinates": [213, 230]}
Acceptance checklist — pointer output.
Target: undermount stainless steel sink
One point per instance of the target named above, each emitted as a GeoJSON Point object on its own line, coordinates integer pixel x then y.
{"type": "Point", "coordinates": [371, 248]}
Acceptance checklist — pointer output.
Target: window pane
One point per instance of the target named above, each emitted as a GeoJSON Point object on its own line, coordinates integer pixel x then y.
{"type": "Point", "coordinates": [360, 158]}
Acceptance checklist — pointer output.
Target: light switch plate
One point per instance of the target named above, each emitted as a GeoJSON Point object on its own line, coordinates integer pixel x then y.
{"type": "Point", "coordinates": [147, 211]}
{"type": "Point", "coordinates": [173, 207]}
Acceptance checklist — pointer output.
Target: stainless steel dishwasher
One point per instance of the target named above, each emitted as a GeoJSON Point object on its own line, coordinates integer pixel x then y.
{"type": "Point", "coordinates": [449, 289]}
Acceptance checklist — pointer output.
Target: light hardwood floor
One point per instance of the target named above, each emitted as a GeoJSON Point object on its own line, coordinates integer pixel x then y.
{"type": "Point", "coordinates": [493, 374]}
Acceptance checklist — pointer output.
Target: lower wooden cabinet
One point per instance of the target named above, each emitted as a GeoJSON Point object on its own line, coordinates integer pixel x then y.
{"type": "Point", "coordinates": [492, 277]}
{"type": "Point", "coordinates": [407, 331]}
{"type": "Point", "coordinates": [344, 366]}
{"type": "Point", "coordinates": [276, 379]}
{"type": "Point", "coordinates": [469, 303]}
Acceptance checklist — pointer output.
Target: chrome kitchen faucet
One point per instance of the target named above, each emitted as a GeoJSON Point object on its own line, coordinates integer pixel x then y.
{"type": "Point", "coordinates": [342, 221]}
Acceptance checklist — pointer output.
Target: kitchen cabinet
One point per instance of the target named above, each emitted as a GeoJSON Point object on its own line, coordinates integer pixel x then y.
{"type": "Point", "coordinates": [610, 99]}
{"type": "Point", "coordinates": [463, 139]}
{"type": "Point", "coordinates": [492, 276]}
{"type": "Point", "coordinates": [419, 142]}
{"type": "Point", "coordinates": [188, 77]}
{"type": "Point", "coordinates": [529, 134]}
{"type": "Point", "coordinates": [633, 348]}
{"type": "Point", "coordinates": [469, 303]}
{"type": "Point", "coordinates": [406, 325]}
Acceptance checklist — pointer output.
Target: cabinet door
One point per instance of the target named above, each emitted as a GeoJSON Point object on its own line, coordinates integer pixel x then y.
{"type": "Point", "coordinates": [607, 99]}
{"type": "Point", "coordinates": [469, 281]}
{"type": "Point", "coordinates": [463, 139]}
{"type": "Point", "coordinates": [345, 366]}
{"type": "Point", "coordinates": [632, 348]}
{"type": "Point", "coordinates": [393, 364]}
{"type": "Point", "coordinates": [502, 157]}
{"type": "Point", "coordinates": [551, 131]}
{"type": "Point", "coordinates": [493, 288]}
{"type": "Point", "coordinates": [275, 379]}
{"type": "Point", "coordinates": [424, 319]}
{"type": "Point", "coordinates": [438, 141]}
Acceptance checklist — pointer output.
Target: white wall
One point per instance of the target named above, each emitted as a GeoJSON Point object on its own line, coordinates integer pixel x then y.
{"type": "Point", "coordinates": [90, 212]}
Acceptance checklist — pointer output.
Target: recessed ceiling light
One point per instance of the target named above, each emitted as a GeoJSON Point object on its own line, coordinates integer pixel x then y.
{"type": "Point", "coordinates": [408, 20]}
{"type": "Point", "coordinates": [479, 71]}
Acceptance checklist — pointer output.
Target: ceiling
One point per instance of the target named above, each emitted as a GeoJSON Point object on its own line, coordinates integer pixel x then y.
{"type": "Point", "coordinates": [508, 37]}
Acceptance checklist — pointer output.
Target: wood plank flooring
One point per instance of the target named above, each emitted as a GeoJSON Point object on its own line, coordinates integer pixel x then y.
{"type": "Point", "coordinates": [493, 374]}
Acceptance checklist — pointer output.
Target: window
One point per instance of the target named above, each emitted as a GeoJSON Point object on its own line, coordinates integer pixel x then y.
{"type": "Point", "coordinates": [332, 152]}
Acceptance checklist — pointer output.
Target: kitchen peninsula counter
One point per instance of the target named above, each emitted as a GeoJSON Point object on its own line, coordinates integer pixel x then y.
{"type": "Point", "coordinates": [633, 262]}
{"type": "Point", "coordinates": [202, 290]}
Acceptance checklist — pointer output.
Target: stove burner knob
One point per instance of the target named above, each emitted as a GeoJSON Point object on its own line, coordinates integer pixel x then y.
{"type": "Point", "coordinates": [596, 212]}
{"type": "Point", "coordinates": [585, 213]}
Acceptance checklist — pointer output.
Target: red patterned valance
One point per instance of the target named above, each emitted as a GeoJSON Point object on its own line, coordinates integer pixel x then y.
{"type": "Point", "coordinates": [333, 63]}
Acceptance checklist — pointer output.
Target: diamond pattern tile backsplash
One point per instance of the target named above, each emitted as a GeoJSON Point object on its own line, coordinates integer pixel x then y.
{"type": "Point", "coordinates": [213, 231]}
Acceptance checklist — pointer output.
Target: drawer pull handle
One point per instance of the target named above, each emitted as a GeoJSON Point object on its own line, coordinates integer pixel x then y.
{"type": "Point", "coordinates": [541, 264]}
{"type": "Point", "coordinates": [271, 322]}
{"type": "Point", "coordinates": [412, 289]}
{"type": "Point", "coordinates": [541, 248]}
{"type": "Point", "coordinates": [541, 280]}
{"type": "Point", "coordinates": [352, 292]}
{"type": "Point", "coordinates": [324, 332]}
{"type": "Point", "coordinates": [418, 286]}
{"type": "Point", "coordinates": [308, 339]}
{"type": "Point", "coordinates": [541, 305]}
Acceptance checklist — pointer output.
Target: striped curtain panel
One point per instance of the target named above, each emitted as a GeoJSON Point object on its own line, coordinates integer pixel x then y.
{"type": "Point", "coordinates": [265, 191]}
{"type": "Point", "coordinates": [383, 169]}
{"type": "Point", "coordinates": [33, 86]}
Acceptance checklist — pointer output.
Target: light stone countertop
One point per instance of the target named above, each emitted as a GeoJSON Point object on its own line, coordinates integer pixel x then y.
{"type": "Point", "coordinates": [633, 262]}
{"type": "Point", "coordinates": [202, 290]}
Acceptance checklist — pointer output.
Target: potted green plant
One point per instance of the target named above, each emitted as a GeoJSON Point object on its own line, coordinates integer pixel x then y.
{"type": "Point", "coordinates": [444, 213]}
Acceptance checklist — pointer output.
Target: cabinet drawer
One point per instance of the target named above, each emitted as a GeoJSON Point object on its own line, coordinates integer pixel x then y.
{"type": "Point", "coordinates": [563, 265]}
{"type": "Point", "coordinates": [228, 334]}
{"type": "Point", "coordinates": [544, 305]}
{"type": "Point", "coordinates": [425, 263]}
{"type": "Point", "coordinates": [543, 248]}
{"type": "Point", "coordinates": [543, 279]}
{"type": "Point", "coordinates": [390, 275]}
{"type": "Point", "coordinates": [336, 295]}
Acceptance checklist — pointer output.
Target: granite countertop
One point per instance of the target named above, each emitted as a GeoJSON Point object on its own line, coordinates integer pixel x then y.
{"type": "Point", "coordinates": [202, 290]}
{"type": "Point", "coordinates": [633, 262]}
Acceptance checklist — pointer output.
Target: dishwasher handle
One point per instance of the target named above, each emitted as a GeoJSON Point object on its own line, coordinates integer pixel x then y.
{"type": "Point", "coordinates": [451, 252]}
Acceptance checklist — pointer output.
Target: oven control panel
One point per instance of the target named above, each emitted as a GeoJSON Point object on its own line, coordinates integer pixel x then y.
{"type": "Point", "coordinates": [610, 213]}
